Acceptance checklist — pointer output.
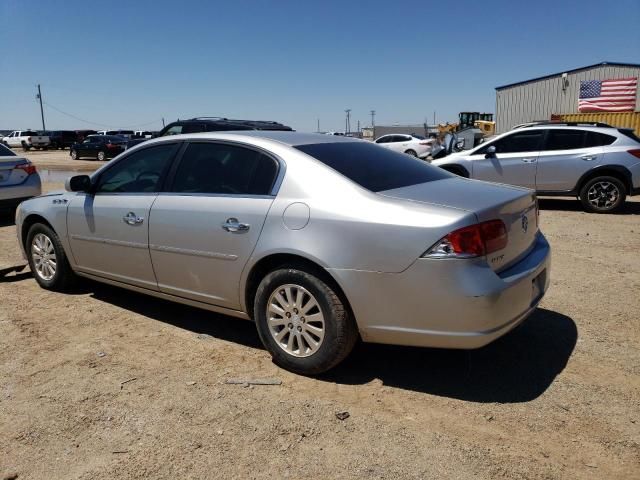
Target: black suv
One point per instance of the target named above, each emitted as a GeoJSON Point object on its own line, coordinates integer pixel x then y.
{"type": "Point", "coordinates": [62, 138]}
{"type": "Point", "coordinates": [212, 124]}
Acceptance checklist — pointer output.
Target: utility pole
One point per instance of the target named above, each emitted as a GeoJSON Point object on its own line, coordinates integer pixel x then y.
{"type": "Point", "coordinates": [358, 127]}
{"type": "Point", "coordinates": [347, 126]}
{"type": "Point", "coordinates": [318, 130]}
{"type": "Point", "coordinates": [39, 97]}
{"type": "Point", "coordinates": [434, 117]}
{"type": "Point", "coordinates": [373, 118]}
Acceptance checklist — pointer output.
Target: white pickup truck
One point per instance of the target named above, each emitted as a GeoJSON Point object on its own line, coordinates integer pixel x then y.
{"type": "Point", "coordinates": [26, 139]}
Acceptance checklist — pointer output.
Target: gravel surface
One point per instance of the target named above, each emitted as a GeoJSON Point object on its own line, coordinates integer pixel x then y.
{"type": "Point", "coordinates": [104, 383]}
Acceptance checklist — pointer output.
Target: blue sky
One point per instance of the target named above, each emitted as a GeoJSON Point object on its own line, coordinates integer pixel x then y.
{"type": "Point", "coordinates": [126, 64]}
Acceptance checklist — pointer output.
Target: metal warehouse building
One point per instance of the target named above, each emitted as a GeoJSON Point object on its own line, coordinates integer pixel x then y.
{"type": "Point", "coordinates": [539, 98]}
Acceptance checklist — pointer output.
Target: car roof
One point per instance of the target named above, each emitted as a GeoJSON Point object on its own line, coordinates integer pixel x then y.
{"type": "Point", "coordinates": [285, 137]}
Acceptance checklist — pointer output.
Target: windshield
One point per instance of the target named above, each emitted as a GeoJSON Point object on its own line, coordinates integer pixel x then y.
{"type": "Point", "coordinates": [373, 167]}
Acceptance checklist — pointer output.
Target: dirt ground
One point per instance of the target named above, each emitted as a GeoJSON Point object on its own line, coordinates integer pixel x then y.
{"type": "Point", "coordinates": [104, 383]}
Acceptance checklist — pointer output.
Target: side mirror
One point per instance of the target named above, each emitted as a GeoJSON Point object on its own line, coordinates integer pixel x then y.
{"type": "Point", "coordinates": [491, 152]}
{"type": "Point", "coordinates": [78, 183]}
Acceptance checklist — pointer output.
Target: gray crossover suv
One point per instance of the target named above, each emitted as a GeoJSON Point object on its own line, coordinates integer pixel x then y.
{"type": "Point", "coordinates": [597, 163]}
{"type": "Point", "coordinates": [319, 239]}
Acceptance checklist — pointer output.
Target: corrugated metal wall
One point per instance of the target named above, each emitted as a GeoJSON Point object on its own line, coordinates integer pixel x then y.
{"type": "Point", "coordinates": [538, 100]}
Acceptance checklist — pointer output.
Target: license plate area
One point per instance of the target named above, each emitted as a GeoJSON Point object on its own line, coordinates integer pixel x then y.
{"type": "Point", "coordinates": [537, 286]}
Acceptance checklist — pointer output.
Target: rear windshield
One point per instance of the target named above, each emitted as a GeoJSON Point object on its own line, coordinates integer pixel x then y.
{"type": "Point", "coordinates": [629, 133]}
{"type": "Point", "coordinates": [5, 152]}
{"type": "Point", "coordinates": [373, 167]}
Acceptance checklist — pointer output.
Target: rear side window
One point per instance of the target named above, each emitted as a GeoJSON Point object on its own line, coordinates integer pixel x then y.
{"type": "Point", "coordinates": [372, 167]}
{"type": "Point", "coordinates": [5, 152]}
{"type": "Point", "coordinates": [216, 168]}
{"type": "Point", "coordinates": [597, 139]}
{"type": "Point", "coordinates": [525, 141]}
{"type": "Point", "coordinates": [565, 139]}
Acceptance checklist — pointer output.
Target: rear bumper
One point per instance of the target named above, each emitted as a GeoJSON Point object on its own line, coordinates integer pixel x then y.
{"type": "Point", "coordinates": [11, 196]}
{"type": "Point", "coordinates": [447, 303]}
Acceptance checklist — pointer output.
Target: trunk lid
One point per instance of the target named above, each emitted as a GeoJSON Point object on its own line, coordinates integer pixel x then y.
{"type": "Point", "coordinates": [515, 206]}
{"type": "Point", "coordinates": [9, 175]}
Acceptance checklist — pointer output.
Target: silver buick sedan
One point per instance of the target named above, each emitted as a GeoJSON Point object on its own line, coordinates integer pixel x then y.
{"type": "Point", "coordinates": [320, 240]}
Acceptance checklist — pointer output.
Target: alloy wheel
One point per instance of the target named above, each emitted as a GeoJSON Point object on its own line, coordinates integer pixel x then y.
{"type": "Point", "coordinates": [44, 256]}
{"type": "Point", "coordinates": [295, 320]}
{"type": "Point", "coordinates": [603, 195]}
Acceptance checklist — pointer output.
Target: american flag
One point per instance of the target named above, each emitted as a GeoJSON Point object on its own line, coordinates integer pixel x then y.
{"type": "Point", "coordinates": [608, 95]}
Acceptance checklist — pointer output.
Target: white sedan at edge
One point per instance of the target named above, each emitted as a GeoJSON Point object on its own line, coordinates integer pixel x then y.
{"type": "Point", "coordinates": [415, 145]}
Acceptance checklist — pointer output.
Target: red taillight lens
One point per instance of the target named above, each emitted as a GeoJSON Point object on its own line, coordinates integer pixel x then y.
{"type": "Point", "coordinates": [28, 168]}
{"type": "Point", "coordinates": [112, 145]}
{"type": "Point", "coordinates": [473, 241]}
{"type": "Point", "coordinates": [635, 152]}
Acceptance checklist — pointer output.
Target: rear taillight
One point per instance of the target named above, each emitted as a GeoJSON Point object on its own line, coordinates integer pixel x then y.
{"type": "Point", "coordinates": [635, 152]}
{"type": "Point", "coordinates": [473, 241]}
{"type": "Point", "coordinates": [28, 168]}
{"type": "Point", "coordinates": [112, 145]}
{"type": "Point", "coordinates": [28, 139]}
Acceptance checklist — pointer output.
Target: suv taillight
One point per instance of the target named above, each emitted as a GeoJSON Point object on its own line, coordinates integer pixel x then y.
{"type": "Point", "coordinates": [28, 168]}
{"type": "Point", "coordinates": [635, 152]}
{"type": "Point", "coordinates": [473, 241]}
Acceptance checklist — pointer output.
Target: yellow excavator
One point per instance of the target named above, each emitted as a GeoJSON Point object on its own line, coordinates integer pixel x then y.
{"type": "Point", "coordinates": [483, 121]}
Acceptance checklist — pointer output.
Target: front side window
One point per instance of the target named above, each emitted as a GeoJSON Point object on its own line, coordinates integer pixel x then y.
{"type": "Point", "coordinates": [224, 169]}
{"type": "Point", "coordinates": [383, 139]}
{"type": "Point", "coordinates": [564, 139]}
{"type": "Point", "coordinates": [376, 169]}
{"type": "Point", "coordinates": [524, 141]}
{"type": "Point", "coordinates": [139, 172]}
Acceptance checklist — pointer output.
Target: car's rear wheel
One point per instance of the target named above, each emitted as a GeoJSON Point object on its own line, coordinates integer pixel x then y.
{"type": "Point", "coordinates": [102, 156]}
{"type": "Point", "coordinates": [603, 195]}
{"type": "Point", "coordinates": [412, 153]}
{"type": "Point", "coordinates": [25, 147]}
{"type": "Point", "coordinates": [302, 322]}
{"type": "Point", "coordinates": [74, 154]}
{"type": "Point", "coordinates": [47, 259]}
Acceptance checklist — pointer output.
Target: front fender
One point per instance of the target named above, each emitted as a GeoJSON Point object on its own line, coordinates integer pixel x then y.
{"type": "Point", "coordinates": [52, 208]}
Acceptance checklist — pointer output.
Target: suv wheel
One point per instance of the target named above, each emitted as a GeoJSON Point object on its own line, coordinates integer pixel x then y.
{"type": "Point", "coordinates": [603, 195]}
{"type": "Point", "coordinates": [302, 322]}
{"type": "Point", "coordinates": [102, 156]}
{"type": "Point", "coordinates": [74, 155]}
{"type": "Point", "coordinates": [47, 259]}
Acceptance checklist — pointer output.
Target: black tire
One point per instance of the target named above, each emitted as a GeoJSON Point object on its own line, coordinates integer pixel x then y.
{"type": "Point", "coordinates": [63, 278]}
{"type": "Point", "coordinates": [340, 331]}
{"type": "Point", "coordinates": [603, 195]}
{"type": "Point", "coordinates": [412, 153]}
{"type": "Point", "coordinates": [25, 147]}
{"type": "Point", "coordinates": [74, 154]}
{"type": "Point", "coordinates": [102, 155]}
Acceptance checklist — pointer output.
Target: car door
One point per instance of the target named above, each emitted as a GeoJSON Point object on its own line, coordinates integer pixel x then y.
{"type": "Point", "coordinates": [514, 161]}
{"type": "Point", "coordinates": [108, 228]}
{"type": "Point", "coordinates": [204, 229]}
{"type": "Point", "coordinates": [567, 155]}
{"type": "Point", "coordinates": [13, 139]}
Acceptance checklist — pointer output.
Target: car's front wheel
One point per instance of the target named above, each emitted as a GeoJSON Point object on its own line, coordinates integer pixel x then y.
{"type": "Point", "coordinates": [302, 322]}
{"type": "Point", "coordinates": [47, 259]}
{"type": "Point", "coordinates": [603, 195]}
{"type": "Point", "coordinates": [102, 156]}
{"type": "Point", "coordinates": [412, 153]}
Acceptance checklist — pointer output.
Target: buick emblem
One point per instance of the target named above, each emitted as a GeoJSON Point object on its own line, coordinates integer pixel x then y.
{"type": "Point", "coordinates": [525, 223]}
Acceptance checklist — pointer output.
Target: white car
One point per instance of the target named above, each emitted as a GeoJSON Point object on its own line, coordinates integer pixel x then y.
{"type": "Point", "coordinates": [413, 144]}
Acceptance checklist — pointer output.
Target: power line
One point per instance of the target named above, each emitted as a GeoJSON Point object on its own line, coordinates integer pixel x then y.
{"type": "Point", "coordinates": [98, 123]}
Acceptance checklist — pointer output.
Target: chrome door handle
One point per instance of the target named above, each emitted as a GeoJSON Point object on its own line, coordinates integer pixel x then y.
{"type": "Point", "coordinates": [132, 219]}
{"type": "Point", "coordinates": [588, 157]}
{"type": "Point", "coordinates": [232, 225]}
{"type": "Point", "coordinates": [529, 160]}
